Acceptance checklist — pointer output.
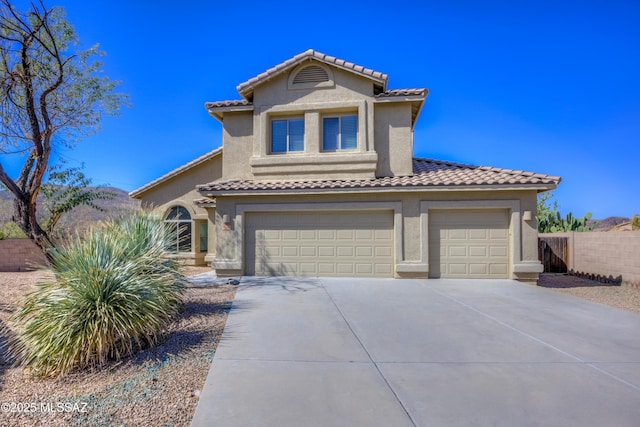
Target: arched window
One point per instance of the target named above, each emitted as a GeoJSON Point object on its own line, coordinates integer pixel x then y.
{"type": "Point", "coordinates": [178, 222]}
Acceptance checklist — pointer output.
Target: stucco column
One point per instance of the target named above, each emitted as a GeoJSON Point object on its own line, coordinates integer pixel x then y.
{"type": "Point", "coordinates": [312, 132]}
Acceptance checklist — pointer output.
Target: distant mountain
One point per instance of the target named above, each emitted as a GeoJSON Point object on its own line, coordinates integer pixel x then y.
{"type": "Point", "coordinates": [608, 223]}
{"type": "Point", "coordinates": [5, 195]}
{"type": "Point", "coordinates": [81, 217]}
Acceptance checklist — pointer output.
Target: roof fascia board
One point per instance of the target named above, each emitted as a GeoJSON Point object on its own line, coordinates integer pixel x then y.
{"type": "Point", "coordinates": [218, 112]}
{"type": "Point", "coordinates": [399, 189]}
{"type": "Point", "coordinates": [400, 98]}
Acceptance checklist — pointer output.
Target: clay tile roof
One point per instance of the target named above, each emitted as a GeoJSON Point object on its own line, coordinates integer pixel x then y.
{"type": "Point", "coordinates": [403, 92]}
{"type": "Point", "coordinates": [205, 201]}
{"type": "Point", "coordinates": [245, 89]}
{"type": "Point", "coordinates": [137, 192]}
{"type": "Point", "coordinates": [426, 173]}
{"type": "Point", "coordinates": [232, 103]}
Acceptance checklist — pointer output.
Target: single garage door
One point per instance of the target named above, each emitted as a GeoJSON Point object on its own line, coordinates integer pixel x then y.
{"type": "Point", "coordinates": [358, 244]}
{"type": "Point", "coordinates": [469, 243]}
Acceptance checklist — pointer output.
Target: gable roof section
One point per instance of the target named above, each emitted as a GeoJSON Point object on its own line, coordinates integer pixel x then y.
{"type": "Point", "coordinates": [218, 108]}
{"type": "Point", "coordinates": [415, 96]}
{"type": "Point", "coordinates": [427, 173]}
{"type": "Point", "coordinates": [177, 171]}
{"type": "Point", "coordinates": [246, 89]}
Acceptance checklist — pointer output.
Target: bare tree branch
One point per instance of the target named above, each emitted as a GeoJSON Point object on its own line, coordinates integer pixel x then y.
{"type": "Point", "coordinates": [48, 89]}
{"type": "Point", "coordinates": [8, 182]}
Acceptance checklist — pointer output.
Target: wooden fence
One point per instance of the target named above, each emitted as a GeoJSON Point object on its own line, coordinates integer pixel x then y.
{"type": "Point", "coordinates": [553, 253]}
{"type": "Point", "coordinates": [613, 253]}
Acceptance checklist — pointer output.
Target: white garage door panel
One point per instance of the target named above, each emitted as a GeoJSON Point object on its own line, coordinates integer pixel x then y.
{"type": "Point", "coordinates": [469, 243]}
{"type": "Point", "coordinates": [320, 243]}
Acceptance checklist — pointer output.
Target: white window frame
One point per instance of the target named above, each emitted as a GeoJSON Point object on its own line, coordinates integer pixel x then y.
{"type": "Point", "coordinates": [339, 117]}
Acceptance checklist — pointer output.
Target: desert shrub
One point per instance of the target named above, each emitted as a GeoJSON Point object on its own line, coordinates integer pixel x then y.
{"type": "Point", "coordinates": [10, 230]}
{"type": "Point", "coordinates": [635, 222]}
{"type": "Point", "coordinates": [115, 291]}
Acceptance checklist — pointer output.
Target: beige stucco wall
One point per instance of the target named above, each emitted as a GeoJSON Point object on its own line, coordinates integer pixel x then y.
{"type": "Point", "coordinates": [349, 94]}
{"type": "Point", "coordinates": [237, 140]}
{"type": "Point", "coordinates": [411, 235]}
{"type": "Point", "coordinates": [181, 190]}
{"type": "Point", "coordinates": [393, 139]}
{"type": "Point", "coordinates": [348, 86]}
{"type": "Point", "coordinates": [612, 253]}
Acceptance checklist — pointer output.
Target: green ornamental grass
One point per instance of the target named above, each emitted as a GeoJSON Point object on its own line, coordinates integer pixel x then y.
{"type": "Point", "coordinates": [115, 291]}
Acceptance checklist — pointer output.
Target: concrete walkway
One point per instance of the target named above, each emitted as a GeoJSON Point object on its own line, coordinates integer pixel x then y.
{"type": "Point", "coordinates": [363, 352]}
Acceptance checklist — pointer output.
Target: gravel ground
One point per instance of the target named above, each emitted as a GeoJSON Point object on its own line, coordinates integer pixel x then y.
{"type": "Point", "coordinates": [624, 296]}
{"type": "Point", "coordinates": [161, 386]}
{"type": "Point", "coordinates": [157, 387]}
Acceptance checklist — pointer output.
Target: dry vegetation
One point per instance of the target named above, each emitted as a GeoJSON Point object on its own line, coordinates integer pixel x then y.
{"type": "Point", "coordinates": [76, 221]}
{"type": "Point", "coordinates": [159, 386]}
{"type": "Point", "coordinates": [625, 296]}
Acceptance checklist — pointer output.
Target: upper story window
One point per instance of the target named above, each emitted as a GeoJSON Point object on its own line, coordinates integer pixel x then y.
{"type": "Point", "coordinates": [340, 133]}
{"type": "Point", "coordinates": [287, 135]}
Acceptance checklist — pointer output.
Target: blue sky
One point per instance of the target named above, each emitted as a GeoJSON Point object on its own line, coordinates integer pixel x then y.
{"type": "Point", "coordinates": [545, 86]}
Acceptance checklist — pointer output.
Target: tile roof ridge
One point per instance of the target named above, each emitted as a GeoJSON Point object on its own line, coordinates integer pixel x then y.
{"type": "Point", "coordinates": [504, 170]}
{"type": "Point", "coordinates": [518, 172]}
{"type": "Point", "coordinates": [244, 87]}
{"type": "Point", "coordinates": [446, 162]}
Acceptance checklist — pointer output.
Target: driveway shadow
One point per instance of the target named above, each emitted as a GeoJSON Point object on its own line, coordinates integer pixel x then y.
{"type": "Point", "coordinates": [290, 284]}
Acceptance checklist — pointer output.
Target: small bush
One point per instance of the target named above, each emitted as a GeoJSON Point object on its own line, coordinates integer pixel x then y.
{"type": "Point", "coordinates": [10, 230]}
{"type": "Point", "coordinates": [115, 291]}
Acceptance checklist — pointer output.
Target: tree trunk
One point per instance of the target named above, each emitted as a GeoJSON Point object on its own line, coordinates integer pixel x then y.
{"type": "Point", "coordinates": [25, 217]}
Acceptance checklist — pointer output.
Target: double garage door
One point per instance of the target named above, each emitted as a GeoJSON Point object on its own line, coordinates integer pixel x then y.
{"type": "Point", "coordinates": [347, 244]}
{"type": "Point", "coordinates": [469, 243]}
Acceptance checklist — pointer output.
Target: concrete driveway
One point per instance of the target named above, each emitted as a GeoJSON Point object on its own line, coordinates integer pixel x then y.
{"type": "Point", "coordinates": [383, 352]}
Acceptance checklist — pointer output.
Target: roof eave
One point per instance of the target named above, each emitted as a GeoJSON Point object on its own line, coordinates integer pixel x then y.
{"type": "Point", "coordinates": [423, 188]}
{"type": "Point", "coordinates": [138, 192]}
{"type": "Point", "coordinates": [203, 204]}
{"type": "Point", "coordinates": [218, 112]}
{"type": "Point", "coordinates": [417, 102]}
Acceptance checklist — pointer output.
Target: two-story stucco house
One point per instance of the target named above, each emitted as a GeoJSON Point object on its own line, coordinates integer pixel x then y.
{"type": "Point", "coordinates": [316, 177]}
